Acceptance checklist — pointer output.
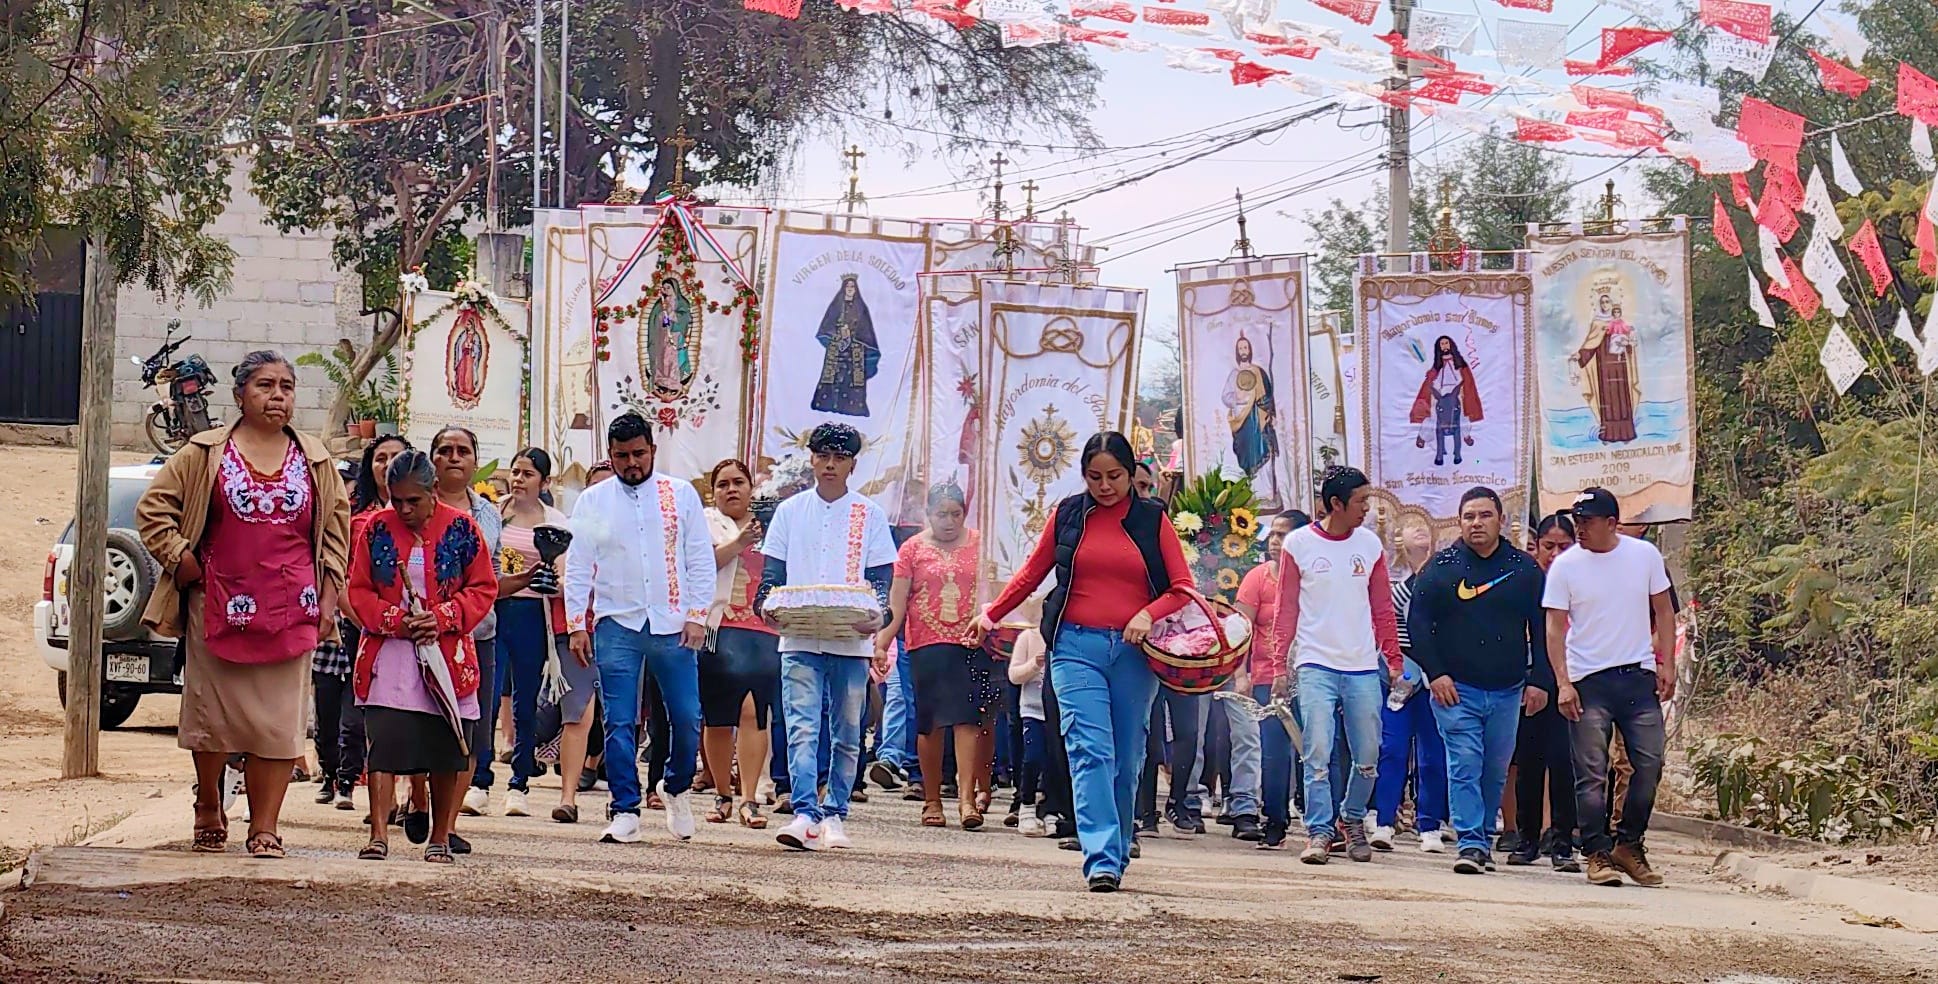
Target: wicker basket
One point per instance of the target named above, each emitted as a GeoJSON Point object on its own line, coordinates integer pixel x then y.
{"type": "Point", "coordinates": [823, 611]}
{"type": "Point", "coordinates": [1196, 650]}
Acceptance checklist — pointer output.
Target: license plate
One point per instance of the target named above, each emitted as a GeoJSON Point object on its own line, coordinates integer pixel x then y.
{"type": "Point", "coordinates": [127, 668]}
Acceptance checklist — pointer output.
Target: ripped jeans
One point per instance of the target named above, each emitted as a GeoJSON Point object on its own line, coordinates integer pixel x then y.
{"type": "Point", "coordinates": [1358, 696]}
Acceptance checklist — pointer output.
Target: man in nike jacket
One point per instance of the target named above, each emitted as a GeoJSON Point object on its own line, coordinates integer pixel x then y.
{"type": "Point", "coordinates": [1479, 635]}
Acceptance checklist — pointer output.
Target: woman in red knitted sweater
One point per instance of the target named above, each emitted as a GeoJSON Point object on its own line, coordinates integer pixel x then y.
{"type": "Point", "coordinates": [1119, 567]}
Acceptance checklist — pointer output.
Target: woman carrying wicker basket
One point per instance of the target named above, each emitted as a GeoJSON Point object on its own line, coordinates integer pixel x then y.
{"type": "Point", "coordinates": [1119, 568]}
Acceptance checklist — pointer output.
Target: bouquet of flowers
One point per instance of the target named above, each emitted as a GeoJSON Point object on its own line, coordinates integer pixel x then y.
{"type": "Point", "coordinates": [1217, 520]}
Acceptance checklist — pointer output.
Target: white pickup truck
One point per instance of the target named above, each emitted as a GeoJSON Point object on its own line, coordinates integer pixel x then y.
{"type": "Point", "coordinates": [134, 661]}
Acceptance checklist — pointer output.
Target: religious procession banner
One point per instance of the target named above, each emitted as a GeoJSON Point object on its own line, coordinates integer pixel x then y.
{"type": "Point", "coordinates": [563, 390]}
{"type": "Point", "coordinates": [1059, 365]}
{"type": "Point", "coordinates": [1327, 393]}
{"type": "Point", "coordinates": [465, 362]}
{"type": "Point", "coordinates": [842, 343]}
{"type": "Point", "coordinates": [1616, 358]}
{"type": "Point", "coordinates": [674, 314]}
{"type": "Point", "coordinates": [1241, 334]}
{"type": "Point", "coordinates": [965, 245]}
{"type": "Point", "coordinates": [1352, 389]}
{"type": "Point", "coordinates": [1448, 387]}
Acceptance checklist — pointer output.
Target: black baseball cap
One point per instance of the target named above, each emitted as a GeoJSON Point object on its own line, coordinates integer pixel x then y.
{"type": "Point", "coordinates": [1596, 503]}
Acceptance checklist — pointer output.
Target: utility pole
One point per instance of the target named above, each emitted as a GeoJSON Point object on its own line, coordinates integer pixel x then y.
{"type": "Point", "coordinates": [1399, 149]}
{"type": "Point", "coordinates": [538, 108]}
{"type": "Point", "coordinates": [81, 745]}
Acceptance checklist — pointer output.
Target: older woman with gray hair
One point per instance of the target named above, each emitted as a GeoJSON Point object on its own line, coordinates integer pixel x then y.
{"type": "Point", "coordinates": [250, 524]}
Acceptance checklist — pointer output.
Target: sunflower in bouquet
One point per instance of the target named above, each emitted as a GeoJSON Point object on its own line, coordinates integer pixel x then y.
{"type": "Point", "coordinates": [1217, 519]}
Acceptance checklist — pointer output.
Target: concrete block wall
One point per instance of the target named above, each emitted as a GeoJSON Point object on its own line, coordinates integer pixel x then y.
{"type": "Point", "coordinates": [286, 295]}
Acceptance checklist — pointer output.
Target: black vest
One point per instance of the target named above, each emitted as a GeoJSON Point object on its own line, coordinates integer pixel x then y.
{"type": "Point", "coordinates": [1072, 515]}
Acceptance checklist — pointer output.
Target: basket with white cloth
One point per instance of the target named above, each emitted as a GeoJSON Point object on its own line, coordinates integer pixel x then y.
{"type": "Point", "coordinates": [824, 611]}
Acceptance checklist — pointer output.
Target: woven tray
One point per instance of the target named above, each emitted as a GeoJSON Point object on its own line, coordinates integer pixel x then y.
{"type": "Point", "coordinates": [823, 611]}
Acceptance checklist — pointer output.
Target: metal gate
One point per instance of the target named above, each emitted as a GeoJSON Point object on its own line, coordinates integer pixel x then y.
{"type": "Point", "coordinates": [40, 343]}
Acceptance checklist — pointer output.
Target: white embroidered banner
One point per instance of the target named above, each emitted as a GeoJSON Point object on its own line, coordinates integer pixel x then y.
{"type": "Point", "coordinates": [1327, 395]}
{"type": "Point", "coordinates": [841, 343]}
{"type": "Point", "coordinates": [1446, 378]}
{"type": "Point", "coordinates": [1059, 366]}
{"type": "Point", "coordinates": [564, 393]}
{"type": "Point", "coordinates": [1241, 334]}
{"type": "Point", "coordinates": [962, 244]}
{"type": "Point", "coordinates": [465, 362]}
{"type": "Point", "coordinates": [658, 349]}
{"type": "Point", "coordinates": [1614, 357]}
{"type": "Point", "coordinates": [1354, 390]}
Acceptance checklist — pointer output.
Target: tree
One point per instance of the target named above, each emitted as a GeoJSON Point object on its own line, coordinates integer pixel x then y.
{"type": "Point", "coordinates": [97, 81]}
{"type": "Point", "coordinates": [1160, 373]}
{"type": "Point", "coordinates": [1497, 187]}
{"type": "Point", "coordinates": [744, 85]}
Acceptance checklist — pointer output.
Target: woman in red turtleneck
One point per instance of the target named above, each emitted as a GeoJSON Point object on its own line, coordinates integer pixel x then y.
{"type": "Point", "coordinates": [1119, 567]}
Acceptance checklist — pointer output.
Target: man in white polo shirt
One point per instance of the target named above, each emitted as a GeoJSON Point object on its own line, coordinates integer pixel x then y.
{"type": "Point", "coordinates": [1612, 674]}
{"type": "Point", "coordinates": [826, 535]}
{"type": "Point", "coordinates": [1336, 607]}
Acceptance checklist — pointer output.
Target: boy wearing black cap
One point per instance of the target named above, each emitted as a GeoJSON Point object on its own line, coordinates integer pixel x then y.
{"type": "Point", "coordinates": [1612, 673]}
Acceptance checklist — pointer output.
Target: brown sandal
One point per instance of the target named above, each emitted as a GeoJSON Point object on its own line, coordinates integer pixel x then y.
{"type": "Point", "coordinates": [263, 844]}
{"type": "Point", "coordinates": [210, 840]}
{"type": "Point", "coordinates": [971, 817]}
{"type": "Point", "coordinates": [376, 850]}
{"type": "Point", "coordinates": [932, 815]}
{"type": "Point", "coordinates": [750, 816]}
{"type": "Point", "coordinates": [722, 810]}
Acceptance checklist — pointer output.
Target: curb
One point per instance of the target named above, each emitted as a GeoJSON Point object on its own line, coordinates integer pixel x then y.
{"type": "Point", "coordinates": [1731, 835]}
{"type": "Point", "coordinates": [1914, 910]}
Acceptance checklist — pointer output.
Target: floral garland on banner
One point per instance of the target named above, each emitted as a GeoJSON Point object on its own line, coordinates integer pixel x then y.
{"type": "Point", "coordinates": [465, 295]}
{"type": "Point", "coordinates": [678, 260]}
{"type": "Point", "coordinates": [1217, 521]}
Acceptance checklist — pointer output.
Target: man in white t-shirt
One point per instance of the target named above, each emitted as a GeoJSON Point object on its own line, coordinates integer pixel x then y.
{"type": "Point", "coordinates": [1336, 608]}
{"type": "Point", "coordinates": [826, 535]}
{"type": "Point", "coordinates": [1612, 673]}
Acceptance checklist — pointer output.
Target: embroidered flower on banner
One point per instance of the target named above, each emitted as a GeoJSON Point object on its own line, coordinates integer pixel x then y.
{"type": "Point", "coordinates": [241, 610]}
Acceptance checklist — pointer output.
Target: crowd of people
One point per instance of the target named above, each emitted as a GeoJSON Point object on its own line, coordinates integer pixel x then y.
{"type": "Point", "coordinates": [1494, 699]}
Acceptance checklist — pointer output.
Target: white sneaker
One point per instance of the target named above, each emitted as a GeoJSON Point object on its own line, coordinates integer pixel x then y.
{"type": "Point", "coordinates": [764, 791]}
{"type": "Point", "coordinates": [345, 801]}
{"type": "Point", "coordinates": [1031, 826]}
{"type": "Point", "coordinates": [1381, 838]}
{"type": "Point", "coordinates": [1448, 837]}
{"type": "Point", "coordinates": [514, 804]}
{"type": "Point", "coordinates": [232, 787]}
{"type": "Point", "coordinates": [833, 836]}
{"type": "Point", "coordinates": [624, 829]}
{"type": "Point", "coordinates": [801, 834]}
{"type": "Point", "coordinates": [475, 801]}
{"type": "Point", "coordinates": [1430, 843]}
{"type": "Point", "coordinates": [679, 812]}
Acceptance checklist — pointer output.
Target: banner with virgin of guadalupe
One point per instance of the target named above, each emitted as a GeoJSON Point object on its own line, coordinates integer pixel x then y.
{"type": "Point", "coordinates": [1444, 355]}
{"type": "Point", "coordinates": [673, 315]}
{"type": "Point", "coordinates": [1059, 365]}
{"type": "Point", "coordinates": [1327, 392]}
{"type": "Point", "coordinates": [465, 361]}
{"type": "Point", "coordinates": [841, 343]}
{"type": "Point", "coordinates": [563, 390]}
{"type": "Point", "coordinates": [1615, 358]}
{"type": "Point", "coordinates": [1241, 335]}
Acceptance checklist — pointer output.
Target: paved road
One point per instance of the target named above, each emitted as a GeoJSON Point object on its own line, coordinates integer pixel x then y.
{"type": "Point", "coordinates": [543, 900]}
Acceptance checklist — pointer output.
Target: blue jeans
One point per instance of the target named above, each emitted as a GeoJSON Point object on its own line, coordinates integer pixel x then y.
{"type": "Point", "coordinates": [1276, 761]}
{"type": "Point", "coordinates": [522, 647]}
{"type": "Point", "coordinates": [624, 658]}
{"type": "Point", "coordinates": [1479, 732]}
{"type": "Point", "coordinates": [823, 695]}
{"type": "Point", "coordinates": [1411, 732]}
{"type": "Point", "coordinates": [897, 745]}
{"type": "Point", "coordinates": [1241, 800]}
{"type": "Point", "coordinates": [1104, 690]}
{"type": "Point", "coordinates": [1322, 694]}
{"type": "Point", "coordinates": [483, 754]}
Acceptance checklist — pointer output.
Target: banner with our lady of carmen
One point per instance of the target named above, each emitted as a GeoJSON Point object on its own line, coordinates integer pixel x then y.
{"type": "Point", "coordinates": [1615, 358]}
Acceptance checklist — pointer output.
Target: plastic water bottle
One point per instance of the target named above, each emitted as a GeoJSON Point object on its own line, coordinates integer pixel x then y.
{"type": "Point", "coordinates": [1410, 674]}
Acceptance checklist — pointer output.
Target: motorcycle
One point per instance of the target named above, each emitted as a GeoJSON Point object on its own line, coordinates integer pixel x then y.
{"type": "Point", "coordinates": [183, 410]}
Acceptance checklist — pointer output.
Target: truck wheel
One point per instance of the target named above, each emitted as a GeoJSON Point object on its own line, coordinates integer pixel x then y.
{"type": "Point", "coordinates": [117, 704]}
{"type": "Point", "coordinates": [128, 581]}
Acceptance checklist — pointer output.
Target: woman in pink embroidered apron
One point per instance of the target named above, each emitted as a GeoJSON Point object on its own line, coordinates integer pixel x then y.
{"type": "Point", "coordinates": [249, 523]}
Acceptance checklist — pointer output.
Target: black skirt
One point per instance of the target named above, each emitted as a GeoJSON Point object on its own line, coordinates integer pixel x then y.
{"type": "Point", "coordinates": [413, 743]}
{"type": "Point", "coordinates": [953, 685]}
{"type": "Point", "coordinates": [742, 662]}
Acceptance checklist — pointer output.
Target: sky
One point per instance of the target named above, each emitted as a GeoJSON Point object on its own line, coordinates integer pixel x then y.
{"type": "Point", "coordinates": [1285, 175]}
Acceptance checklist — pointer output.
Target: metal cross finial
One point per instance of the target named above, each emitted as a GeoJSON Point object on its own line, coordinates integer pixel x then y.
{"type": "Point", "coordinates": [996, 201]}
{"type": "Point", "coordinates": [1029, 200]}
{"type": "Point", "coordinates": [1609, 201]}
{"type": "Point", "coordinates": [1067, 268]}
{"type": "Point", "coordinates": [854, 198]}
{"type": "Point", "coordinates": [1243, 247]}
{"type": "Point", "coordinates": [681, 143]}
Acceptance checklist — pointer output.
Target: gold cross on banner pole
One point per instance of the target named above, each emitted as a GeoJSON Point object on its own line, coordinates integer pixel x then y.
{"type": "Point", "coordinates": [1243, 247]}
{"type": "Point", "coordinates": [854, 197]}
{"type": "Point", "coordinates": [681, 143]}
{"type": "Point", "coordinates": [996, 206]}
{"type": "Point", "coordinates": [1067, 268]}
{"type": "Point", "coordinates": [1029, 200]}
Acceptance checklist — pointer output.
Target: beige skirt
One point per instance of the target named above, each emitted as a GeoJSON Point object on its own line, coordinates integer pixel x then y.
{"type": "Point", "coordinates": [234, 708]}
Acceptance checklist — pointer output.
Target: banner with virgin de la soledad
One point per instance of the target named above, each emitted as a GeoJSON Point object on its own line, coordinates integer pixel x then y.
{"type": "Point", "coordinates": [1614, 358]}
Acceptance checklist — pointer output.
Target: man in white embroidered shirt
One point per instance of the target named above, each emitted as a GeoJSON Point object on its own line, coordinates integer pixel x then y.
{"type": "Point", "coordinates": [824, 537]}
{"type": "Point", "coordinates": [641, 553]}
